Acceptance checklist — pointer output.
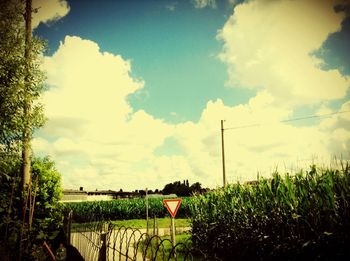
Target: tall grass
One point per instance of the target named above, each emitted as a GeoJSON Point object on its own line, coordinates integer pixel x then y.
{"type": "Point", "coordinates": [282, 218]}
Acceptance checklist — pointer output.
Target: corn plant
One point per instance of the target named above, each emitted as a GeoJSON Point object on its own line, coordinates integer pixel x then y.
{"type": "Point", "coordinates": [122, 209]}
{"type": "Point", "coordinates": [304, 215]}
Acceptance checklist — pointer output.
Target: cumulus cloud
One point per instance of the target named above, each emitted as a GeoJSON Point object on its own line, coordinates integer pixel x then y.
{"type": "Point", "coordinates": [92, 131]}
{"type": "Point", "coordinates": [269, 44]}
{"type": "Point", "coordinates": [268, 47]}
{"type": "Point", "coordinates": [99, 141]}
{"type": "Point", "coordinates": [49, 11]}
{"type": "Point", "coordinates": [204, 3]}
{"type": "Point", "coordinates": [88, 81]}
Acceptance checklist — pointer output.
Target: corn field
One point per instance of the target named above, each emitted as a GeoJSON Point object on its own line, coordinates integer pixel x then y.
{"type": "Point", "coordinates": [123, 209]}
{"type": "Point", "coordinates": [305, 216]}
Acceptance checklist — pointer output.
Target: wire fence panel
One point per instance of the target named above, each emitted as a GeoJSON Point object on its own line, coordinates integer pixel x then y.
{"type": "Point", "coordinates": [104, 241]}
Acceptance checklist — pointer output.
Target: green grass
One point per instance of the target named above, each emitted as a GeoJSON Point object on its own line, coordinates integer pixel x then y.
{"type": "Point", "coordinates": [162, 223]}
{"type": "Point", "coordinates": [133, 223]}
{"type": "Point", "coordinates": [166, 248]}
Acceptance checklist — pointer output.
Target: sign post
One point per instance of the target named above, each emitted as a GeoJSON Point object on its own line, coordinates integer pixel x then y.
{"type": "Point", "coordinates": [172, 206]}
{"type": "Point", "coordinates": [147, 219]}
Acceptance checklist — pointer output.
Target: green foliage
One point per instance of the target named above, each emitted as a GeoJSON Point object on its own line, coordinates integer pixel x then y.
{"type": "Point", "coordinates": [123, 209]}
{"type": "Point", "coordinates": [47, 192]}
{"type": "Point", "coordinates": [9, 199]}
{"type": "Point", "coordinates": [48, 209]}
{"type": "Point", "coordinates": [21, 83]}
{"type": "Point", "coordinates": [306, 215]}
{"type": "Point", "coordinates": [15, 75]}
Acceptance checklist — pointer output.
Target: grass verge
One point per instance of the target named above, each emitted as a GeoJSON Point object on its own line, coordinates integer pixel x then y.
{"type": "Point", "coordinates": [134, 223]}
{"type": "Point", "coordinates": [162, 223]}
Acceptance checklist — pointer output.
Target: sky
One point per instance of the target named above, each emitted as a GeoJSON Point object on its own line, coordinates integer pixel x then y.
{"type": "Point", "coordinates": [136, 90]}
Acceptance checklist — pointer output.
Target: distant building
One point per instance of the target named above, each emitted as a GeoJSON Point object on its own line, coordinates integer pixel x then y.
{"type": "Point", "coordinates": [162, 196]}
{"type": "Point", "coordinates": [74, 195]}
{"type": "Point", "coordinates": [71, 195]}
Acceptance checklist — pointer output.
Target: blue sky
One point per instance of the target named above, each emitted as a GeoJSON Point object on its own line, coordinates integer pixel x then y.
{"type": "Point", "coordinates": [137, 89]}
{"type": "Point", "coordinates": [174, 51]}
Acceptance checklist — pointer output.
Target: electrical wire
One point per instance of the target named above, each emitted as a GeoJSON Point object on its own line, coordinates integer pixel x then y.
{"type": "Point", "coordinates": [290, 120]}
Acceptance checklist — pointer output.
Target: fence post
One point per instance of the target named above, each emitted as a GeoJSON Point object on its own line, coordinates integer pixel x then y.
{"type": "Point", "coordinates": [103, 250]}
{"type": "Point", "coordinates": [156, 228]}
{"type": "Point", "coordinates": [147, 218]}
{"type": "Point", "coordinates": [154, 225]}
{"type": "Point", "coordinates": [69, 227]}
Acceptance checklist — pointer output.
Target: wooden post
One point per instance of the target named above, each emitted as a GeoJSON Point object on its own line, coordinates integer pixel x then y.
{"type": "Point", "coordinates": [154, 225]}
{"type": "Point", "coordinates": [147, 219]}
{"type": "Point", "coordinates": [70, 227]}
{"type": "Point", "coordinates": [103, 249]}
{"type": "Point", "coordinates": [49, 250]}
{"type": "Point", "coordinates": [157, 226]}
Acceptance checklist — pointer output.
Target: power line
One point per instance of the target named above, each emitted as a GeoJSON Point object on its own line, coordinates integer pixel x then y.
{"type": "Point", "coordinates": [290, 120]}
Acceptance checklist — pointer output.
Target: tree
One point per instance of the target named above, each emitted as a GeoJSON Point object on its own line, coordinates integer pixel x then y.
{"type": "Point", "coordinates": [11, 73]}
{"type": "Point", "coordinates": [21, 83]}
{"type": "Point", "coordinates": [183, 189]}
{"type": "Point", "coordinates": [15, 71]}
{"type": "Point", "coordinates": [196, 188]}
{"type": "Point", "coordinates": [178, 188]}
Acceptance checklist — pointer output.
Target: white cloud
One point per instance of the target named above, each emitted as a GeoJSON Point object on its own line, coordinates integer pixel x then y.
{"type": "Point", "coordinates": [271, 143]}
{"type": "Point", "coordinates": [204, 3]}
{"type": "Point", "coordinates": [79, 71]}
{"type": "Point", "coordinates": [49, 11]}
{"type": "Point", "coordinates": [99, 141]}
{"type": "Point", "coordinates": [268, 45]}
{"type": "Point", "coordinates": [337, 121]}
{"type": "Point", "coordinates": [92, 130]}
{"type": "Point", "coordinates": [96, 138]}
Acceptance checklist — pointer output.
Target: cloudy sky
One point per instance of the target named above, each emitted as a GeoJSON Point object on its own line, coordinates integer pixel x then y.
{"type": "Point", "coordinates": [137, 89]}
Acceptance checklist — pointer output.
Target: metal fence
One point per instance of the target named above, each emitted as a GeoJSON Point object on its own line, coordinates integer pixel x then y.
{"type": "Point", "coordinates": [104, 241]}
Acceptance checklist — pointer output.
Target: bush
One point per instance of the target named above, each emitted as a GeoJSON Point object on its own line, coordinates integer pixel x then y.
{"type": "Point", "coordinates": [47, 211]}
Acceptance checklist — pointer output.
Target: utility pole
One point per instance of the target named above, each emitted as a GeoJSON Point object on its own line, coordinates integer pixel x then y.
{"type": "Point", "coordinates": [223, 153]}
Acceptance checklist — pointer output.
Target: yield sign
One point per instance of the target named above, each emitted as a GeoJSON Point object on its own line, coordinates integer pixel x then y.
{"type": "Point", "coordinates": [172, 205]}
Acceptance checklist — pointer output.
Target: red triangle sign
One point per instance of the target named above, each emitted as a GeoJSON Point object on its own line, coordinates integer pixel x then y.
{"type": "Point", "coordinates": [172, 205]}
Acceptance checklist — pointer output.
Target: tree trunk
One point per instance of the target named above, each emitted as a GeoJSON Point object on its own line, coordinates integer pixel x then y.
{"type": "Point", "coordinates": [26, 150]}
{"type": "Point", "coordinates": [26, 132]}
